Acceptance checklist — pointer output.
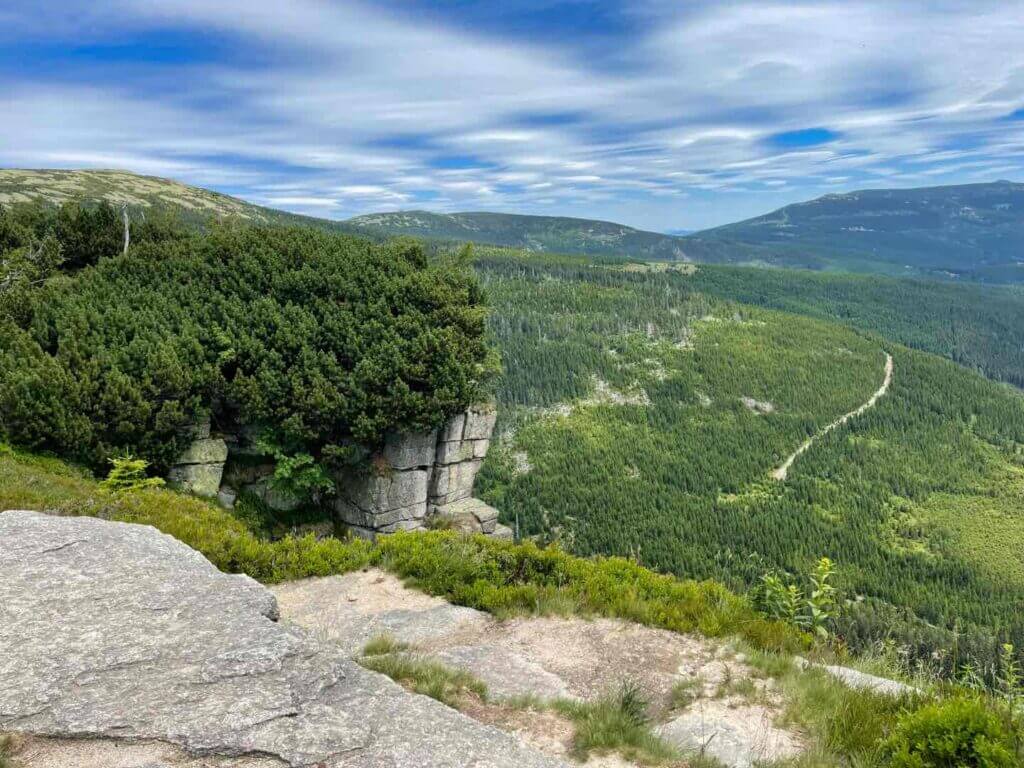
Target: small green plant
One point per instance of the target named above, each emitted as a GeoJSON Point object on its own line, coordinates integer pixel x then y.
{"type": "Point", "coordinates": [297, 473]}
{"type": "Point", "coordinates": [128, 474]}
{"type": "Point", "coordinates": [779, 600]}
{"type": "Point", "coordinates": [685, 692]}
{"type": "Point", "coordinates": [616, 723]}
{"type": "Point", "coordinates": [821, 607]}
{"type": "Point", "coordinates": [814, 611]}
{"type": "Point", "coordinates": [429, 678]}
{"type": "Point", "coordinates": [382, 645]}
{"type": "Point", "coordinates": [957, 733]}
{"type": "Point", "coordinates": [1010, 679]}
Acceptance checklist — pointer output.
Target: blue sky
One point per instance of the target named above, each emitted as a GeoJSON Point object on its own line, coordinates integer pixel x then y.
{"type": "Point", "coordinates": [660, 114]}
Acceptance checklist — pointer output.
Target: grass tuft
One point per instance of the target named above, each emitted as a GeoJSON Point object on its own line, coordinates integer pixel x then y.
{"type": "Point", "coordinates": [384, 644]}
{"type": "Point", "coordinates": [429, 678]}
{"type": "Point", "coordinates": [616, 723]}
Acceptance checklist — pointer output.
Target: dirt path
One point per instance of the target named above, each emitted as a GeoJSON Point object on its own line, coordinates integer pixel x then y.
{"type": "Point", "coordinates": [783, 471]}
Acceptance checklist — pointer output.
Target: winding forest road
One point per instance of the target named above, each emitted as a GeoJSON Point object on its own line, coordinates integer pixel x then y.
{"type": "Point", "coordinates": [783, 471]}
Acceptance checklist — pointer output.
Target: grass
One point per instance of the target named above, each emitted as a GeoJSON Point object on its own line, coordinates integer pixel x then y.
{"type": "Point", "coordinates": [616, 723]}
{"type": "Point", "coordinates": [842, 726]}
{"type": "Point", "coordinates": [685, 692]}
{"type": "Point", "coordinates": [450, 686]}
{"type": "Point", "coordinates": [8, 746]}
{"type": "Point", "coordinates": [382, 645]}
{"type": "Point", "coordinates": [499, 577]}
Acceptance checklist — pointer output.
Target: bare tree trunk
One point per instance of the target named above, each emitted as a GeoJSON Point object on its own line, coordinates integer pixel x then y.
{"type": "Point", "coordinates": [127, 227]}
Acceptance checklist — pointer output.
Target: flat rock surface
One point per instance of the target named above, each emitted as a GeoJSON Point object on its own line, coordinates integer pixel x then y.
{"type": "Point", "coordinates": [116, 631]}
{"type": "Point", "coordinates": [351, 610]}
{"type": "Point", "coordinates": [854, 678]}
{"type": "Point", "coordinates": [738, 736]}
{"type": "Point", "coordinates": [553, 658]}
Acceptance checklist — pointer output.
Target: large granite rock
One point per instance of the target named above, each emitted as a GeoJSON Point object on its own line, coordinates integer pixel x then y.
{"type": "Point", "coordinates": [110, 630]}
{"type": "Point", "coordinates": [200, 467]}
{"type": "Point", "coordinates": [414, 450]}
{"type": "Point", "coordinates": [470, 516]}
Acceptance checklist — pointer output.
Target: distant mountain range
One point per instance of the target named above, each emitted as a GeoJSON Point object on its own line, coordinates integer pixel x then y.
{"type": "Point", "coordinates": [140, 193]}
{"type": "Point", "coordinates": [972, 232]}
{"type": "Point", "coordinates": [556, 234]}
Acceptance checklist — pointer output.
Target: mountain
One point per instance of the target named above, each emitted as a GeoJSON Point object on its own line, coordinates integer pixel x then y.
{"type": "Point", "coordinates": [646, 410]}
{"type": "Point", "coordinates": [555, 234]}
{"type": "Point", "coordinates": [973, 231]}
{"type": "Point", "coordinates": [141, 193]}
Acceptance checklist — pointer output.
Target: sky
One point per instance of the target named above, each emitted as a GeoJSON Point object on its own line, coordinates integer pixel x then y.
{"type": "Point", "coordinates": [665, 115]}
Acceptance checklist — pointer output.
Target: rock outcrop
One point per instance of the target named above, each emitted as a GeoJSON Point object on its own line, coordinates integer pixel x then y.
{"type": "Point", "coordinates": [200, 468]}
{"type": "Point", "coordinates": [417, 476]}
{"type": "Point", "coordinates": [111, 630]}
{"type": "Point", "coordinates": [423, 475]}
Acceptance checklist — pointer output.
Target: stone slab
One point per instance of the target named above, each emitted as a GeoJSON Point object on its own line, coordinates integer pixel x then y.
{"type": "Point", "coordinates": [111, 630]}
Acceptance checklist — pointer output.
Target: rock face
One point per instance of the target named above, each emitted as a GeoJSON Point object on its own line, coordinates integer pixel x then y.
{"type": "Point", "coordinates": [423, 475]}
{"type": "Point", "coordinates": [200, 468]}
{"type": "Point", "coordinates": [417, 476]}
{"type": "Point", "coordinates": [110, 630]}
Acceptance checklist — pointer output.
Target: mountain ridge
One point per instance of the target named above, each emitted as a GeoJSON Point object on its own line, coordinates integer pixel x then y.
{"type": "Point", "coordinates": [971, 232]}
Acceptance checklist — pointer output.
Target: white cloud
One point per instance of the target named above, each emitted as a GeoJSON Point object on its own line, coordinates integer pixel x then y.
{"type": "Point", "coordinates": [346, 107]}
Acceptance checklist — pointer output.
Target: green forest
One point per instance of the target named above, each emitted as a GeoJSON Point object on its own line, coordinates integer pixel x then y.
{"type": "Point", "coordinates": [625, 430]}
{"type": "Point", "coordinates": [979, 326]}
{"type": "Point", "coordinates": [643, 408]}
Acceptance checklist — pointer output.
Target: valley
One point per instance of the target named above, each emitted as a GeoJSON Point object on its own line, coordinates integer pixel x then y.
{"type": "Point", "coordinates": [675, 470]}
{"type": "Point", "coordinates": [695, 432]}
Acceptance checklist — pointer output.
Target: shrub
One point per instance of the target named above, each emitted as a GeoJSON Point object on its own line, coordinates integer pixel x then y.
{"type": "Point", "coordinates": [129, 474]}
{"type": "Point", "coordinates": [324, 339]}
{"type": "Point", "coordinates": [815, 612]}
{"type": "Point", "coordinates": [505, 578]}
{"type": "Point", "coordinates": [960, 733]}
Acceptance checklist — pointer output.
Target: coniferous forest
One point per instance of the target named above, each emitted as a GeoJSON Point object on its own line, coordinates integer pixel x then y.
{"type": "Point", "coordinates": [643, 417]}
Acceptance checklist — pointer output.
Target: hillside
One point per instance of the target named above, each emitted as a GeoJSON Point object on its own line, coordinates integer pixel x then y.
{"type": "Point", "coordinates": [644, 417]}
{"type": "Point", "coordinates": [141, 194]}
{"type": "Point", "coordinates": [974, 232]}
{"type": "Point", "coordinates": [978, 326]}
{"type": "Point", "coordinates": [552, 234]}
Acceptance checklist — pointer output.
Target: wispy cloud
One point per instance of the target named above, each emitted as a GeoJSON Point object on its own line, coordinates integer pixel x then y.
{"type": "Point", "coordinates": [661, 114]}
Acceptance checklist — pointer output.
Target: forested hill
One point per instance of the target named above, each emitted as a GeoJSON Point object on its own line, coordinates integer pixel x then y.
{"type": "Point", "coordinates": [974, 231]}
{"type": "Point", "coordinates": [553, 234]}
{"type": "Point", "coordinates": [142, 194]}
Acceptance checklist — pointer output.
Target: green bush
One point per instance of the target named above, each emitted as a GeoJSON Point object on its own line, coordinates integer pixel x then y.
{"type": "Point", "coordinates": [129, 474]}
{"type": "Point", "coordinates": [323, 339]}
{"type": "Point", "coordinates": [505, 578]}
{"type": "Point", "coordinates": [958, 733]}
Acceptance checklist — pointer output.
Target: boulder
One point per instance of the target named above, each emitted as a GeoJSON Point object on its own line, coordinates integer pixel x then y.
{"type": "Point", "coordinates": [470, 515]}
{"type": "Point", "coordinates": [379, 494]}
{"type": "Point", "coordinates": [209, 450]}
{"type": "Point", "coordinates": [480, 421]}
{"type": "Point", "coordinates": [111, 630]}
{"type": "Point", "coordinates": [200, 467]}
{"type": "Point", "coordinates": [200, 479]}
{"type": "Point", "coordinates": [453, 482]}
